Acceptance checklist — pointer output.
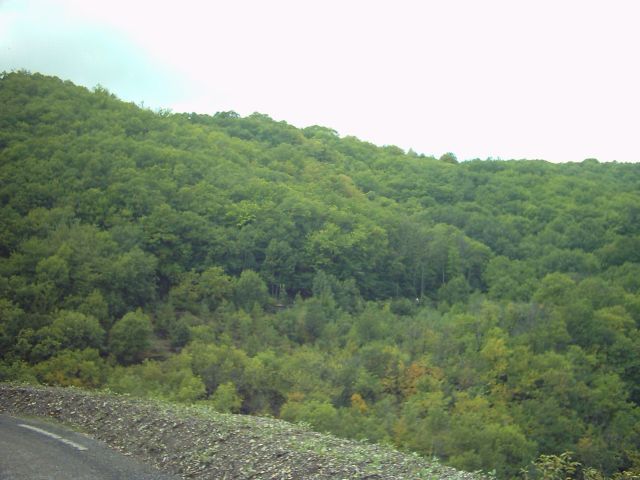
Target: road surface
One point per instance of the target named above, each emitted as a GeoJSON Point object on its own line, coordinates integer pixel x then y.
{"type": "Point", "coordinates": [35, 450]}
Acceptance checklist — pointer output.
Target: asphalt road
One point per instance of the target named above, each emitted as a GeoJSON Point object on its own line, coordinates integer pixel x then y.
{"type": "Point", "coordinates": [35, 450]}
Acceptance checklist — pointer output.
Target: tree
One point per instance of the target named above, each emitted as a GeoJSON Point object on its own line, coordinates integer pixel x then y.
{"type": "Point", "coordinates": [226, 399]}
{"type": "Point", "coordinates": [130, 337]}
{"type": "Point", "coordinates": [321, 415]}
{"type": "Point", "coordinates": [77, 331]}
{"type": "Point", "coordinates": [449, 158]}
{"type": "Point", "coordinates": [78, 368]}
{"type": "Point", "coordinates": [131, 280]}
{"type": "Point", "coordinates": [249, 290]}
{"type": "Point", "coordinates": [171, 380]}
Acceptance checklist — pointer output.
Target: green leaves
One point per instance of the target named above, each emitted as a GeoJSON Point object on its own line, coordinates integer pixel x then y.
{"type": "Point", "coordinates": [484, 311]}
{"type": "Point", "coordinates": [130, 337]}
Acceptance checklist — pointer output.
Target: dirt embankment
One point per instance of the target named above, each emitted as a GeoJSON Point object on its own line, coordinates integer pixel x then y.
{"type": "Point", "coordinates": [199, 443]}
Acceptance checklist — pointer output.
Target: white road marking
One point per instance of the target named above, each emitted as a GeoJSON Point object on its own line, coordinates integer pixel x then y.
{"type": "Point", "coordinates": [53, 435]}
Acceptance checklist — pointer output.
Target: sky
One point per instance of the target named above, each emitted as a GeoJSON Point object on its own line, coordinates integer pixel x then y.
{"type": "Point", "coordinates": [557, 80]}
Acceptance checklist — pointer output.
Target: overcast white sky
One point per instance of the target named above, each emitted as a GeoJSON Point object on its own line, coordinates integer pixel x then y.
{"type": "Point", "coordinates": [557, 80]}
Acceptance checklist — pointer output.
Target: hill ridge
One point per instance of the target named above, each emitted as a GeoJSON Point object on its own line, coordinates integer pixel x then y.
{"type": "Point", "coordinates": [486, 312]}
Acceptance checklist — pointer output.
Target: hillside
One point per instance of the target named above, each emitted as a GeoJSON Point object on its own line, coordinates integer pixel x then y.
{"type": "Point", "coordinates": [484, 312]}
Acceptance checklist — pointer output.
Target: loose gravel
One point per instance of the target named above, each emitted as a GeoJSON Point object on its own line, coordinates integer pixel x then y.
{"type": "Point", "coordinates": [199, 443]}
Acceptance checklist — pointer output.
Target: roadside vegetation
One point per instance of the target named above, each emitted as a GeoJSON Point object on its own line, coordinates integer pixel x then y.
{"type": "Point", "coordinates": [200, 443]}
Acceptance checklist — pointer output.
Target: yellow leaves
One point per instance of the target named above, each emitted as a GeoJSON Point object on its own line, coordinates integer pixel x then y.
{"type": "Point", "coordinates": [433, 401]}
{"type": "Point", "coordinates": [410, 377]}
{"type": "Point", "coordinates": [400, 431]}
{"type": "Point", "coordinates": [407, 381]}
{"type": "Point", "coordinates": [358, 403]}
{"type": "Point", "coordinates": [495, 351]}
{"type": "Point", "coordinates": [496, 356]}
{"type": "Point", "coordinates": [295, 397]}
{"type": "Point", "coordinates": [467, 405]}
{"type": "Point", "coordinates": [347, 187]}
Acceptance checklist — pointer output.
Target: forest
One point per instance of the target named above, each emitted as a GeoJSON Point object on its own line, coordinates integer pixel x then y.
{"type": "Point", "coordinates": [486, 312]}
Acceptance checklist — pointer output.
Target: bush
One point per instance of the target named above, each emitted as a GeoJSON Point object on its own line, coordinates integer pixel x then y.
{"type": "Point", "coordinates": [130, 337]}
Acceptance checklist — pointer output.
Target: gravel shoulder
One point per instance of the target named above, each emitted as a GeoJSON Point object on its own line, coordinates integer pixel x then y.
{"type": "Point", "coordinates": [199, 443]}
{"type": "Point", "coordinates": [32, 449]}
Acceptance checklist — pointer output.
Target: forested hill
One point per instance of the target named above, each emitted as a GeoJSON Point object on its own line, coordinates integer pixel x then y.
{"type": "Point", "coordinates": [486, 312]}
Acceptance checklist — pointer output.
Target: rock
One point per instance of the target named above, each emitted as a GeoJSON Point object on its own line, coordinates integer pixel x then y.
{"type": "Point", "coordinates": [199, 443]}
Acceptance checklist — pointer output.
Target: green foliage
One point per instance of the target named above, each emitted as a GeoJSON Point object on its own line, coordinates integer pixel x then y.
{"type": "Point", "coordinates": [322, 416]}
{"type": "Point", "coordinates": [130, 337]}
{"type": "Point", "coordinates": [200, 293]}
{"type": "Point", "coordinates": [563, 467]}
{"type": "Point", "coordinates": [250, 290]}
{"type": "Point", "coordinates": [487, 312]}
{"type": "Point", "coordinates": [78, 368]}
{"type": "Point", "coordinates": [18, 371]}
{"type": "Point", "coordinates": [556, 467]}
{"type": "Point", "coordinates": [226, 399]}
{"type": "Point", "coordinates": [77, 331]}
{"type": "Point", "coordinates": [449, 158]}
{"type": "Point", "coordinates": [216, 364]}
{"type": "Point", "coordinates": [172, 380]}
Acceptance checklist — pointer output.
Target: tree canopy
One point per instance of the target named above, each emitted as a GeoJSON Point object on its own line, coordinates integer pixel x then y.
{"type": "Point", "coordinates": [486, 312]}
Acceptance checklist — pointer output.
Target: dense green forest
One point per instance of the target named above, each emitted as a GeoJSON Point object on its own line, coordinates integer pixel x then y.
{"type": "Point", "coordinates": [485, 312]}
